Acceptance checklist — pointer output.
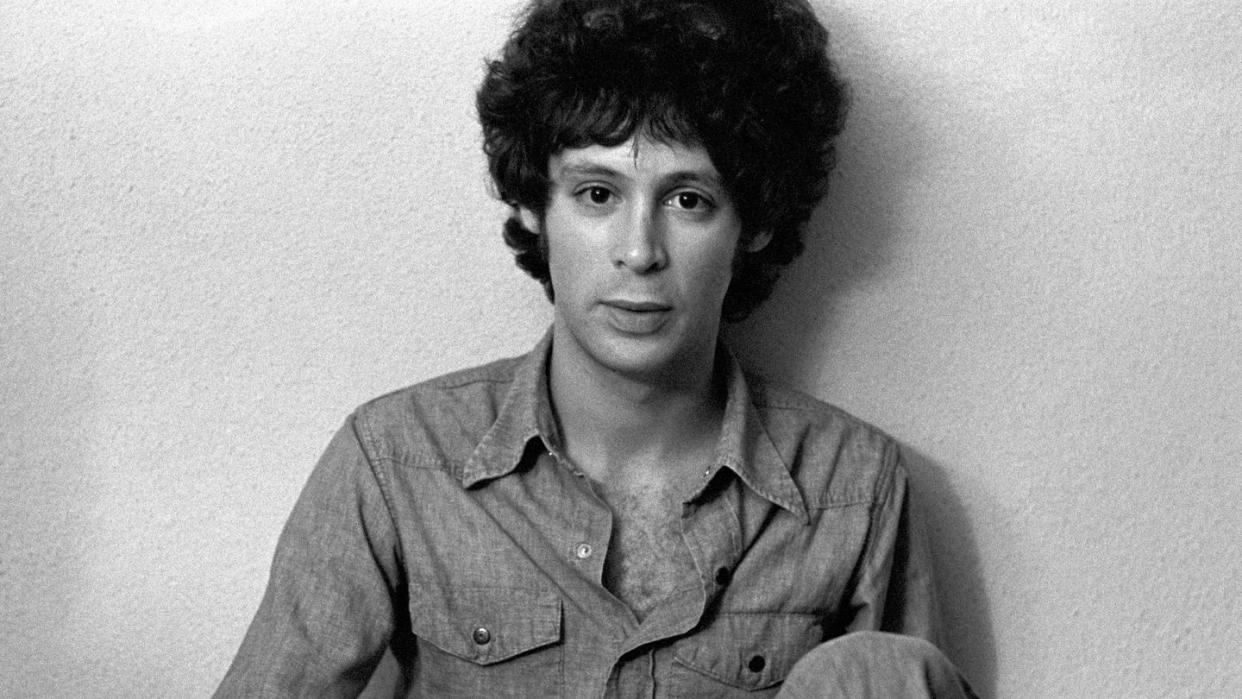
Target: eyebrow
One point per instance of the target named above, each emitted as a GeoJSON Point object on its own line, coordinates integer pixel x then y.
{"type": "Point", "coordinates": [587, 169]}
{"type": "Point", "coordinates": [572, 169]}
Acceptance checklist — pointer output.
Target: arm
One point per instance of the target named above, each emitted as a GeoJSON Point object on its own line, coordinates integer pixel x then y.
{"type": "Point", "coordinates": [329, 610]}
{"type": "Point", "coordinates": [895, 591]}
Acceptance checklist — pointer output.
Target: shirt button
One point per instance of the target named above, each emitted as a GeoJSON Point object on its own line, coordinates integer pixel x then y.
{"type": "Point", "coordinates": [707, 471]}
{"type": "Point", "coordinates": [482, 636]}
{"type": "Point", "coordinates": [757, 663]}
{"type": "Point", "coordinates": [583, 551]}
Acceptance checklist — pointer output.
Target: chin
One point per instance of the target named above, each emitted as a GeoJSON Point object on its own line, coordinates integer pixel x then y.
{"type": "Point", "coordinates": [643, 354]}
{"type": "Point", "coordinates": [655, 355]}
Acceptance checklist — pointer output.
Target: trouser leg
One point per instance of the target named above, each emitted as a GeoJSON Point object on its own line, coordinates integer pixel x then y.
{"type": "Point", "coordinates": [875, 665]}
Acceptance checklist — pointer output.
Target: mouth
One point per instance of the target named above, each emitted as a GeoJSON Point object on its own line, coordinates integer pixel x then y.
{"type": "Point", "coordinates": [636, 318]}
{"type": "Point", "coordinates": [638, 306]}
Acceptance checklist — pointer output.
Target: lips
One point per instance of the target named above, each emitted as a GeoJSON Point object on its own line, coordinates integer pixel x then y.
{"type": "Point", "coordinates": [638, 306]}
{"type": "Point", "coordinates": [635, 317]}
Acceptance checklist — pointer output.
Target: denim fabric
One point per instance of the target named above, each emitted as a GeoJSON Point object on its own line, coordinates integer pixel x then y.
{"type": "Point", "coordinates": [875, 665]}
{"type": "Point", "coordinates": [443, 523]}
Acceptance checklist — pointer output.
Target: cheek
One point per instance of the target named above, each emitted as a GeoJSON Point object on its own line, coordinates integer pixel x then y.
{"type": "Point", "coordinates": [559, 271]}
{"type": "Point", "coordinates": [569, 257]}
{"type": "Point", "coordinates": [715, 270]}
{"type": "Point", "coordinates": [723, 276]}
{"type": "Point", "coordinates": [706, 283]}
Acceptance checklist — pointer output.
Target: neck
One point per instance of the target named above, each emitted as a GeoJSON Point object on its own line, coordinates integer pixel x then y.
{"type": "Point", "coordinates": [612, 422]}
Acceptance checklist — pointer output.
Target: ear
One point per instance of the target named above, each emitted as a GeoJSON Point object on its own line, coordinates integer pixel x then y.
{"type": "Point", "coordinates": [529, 220]}
{"type": "Point", "coordinates": [759, 242]}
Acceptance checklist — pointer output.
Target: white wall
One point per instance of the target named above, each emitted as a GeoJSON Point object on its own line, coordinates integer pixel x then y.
{"type": "Point", "coordinates": [223, 224]}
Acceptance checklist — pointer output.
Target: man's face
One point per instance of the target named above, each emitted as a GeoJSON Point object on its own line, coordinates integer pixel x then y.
{"type": "Point", "coordinates": [641, 239]}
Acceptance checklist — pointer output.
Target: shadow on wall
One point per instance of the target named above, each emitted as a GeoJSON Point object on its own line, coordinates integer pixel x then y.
{"type": "Point", "coordinates": [966, 634]}
{"type": "Point", "coordinates": [848, 243]}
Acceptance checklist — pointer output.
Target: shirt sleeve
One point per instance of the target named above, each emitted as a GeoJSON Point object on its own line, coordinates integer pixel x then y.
{"type": "Point", "coordinates": [328, 612]}
{"type": "Point", "coordinates": [895, 590]}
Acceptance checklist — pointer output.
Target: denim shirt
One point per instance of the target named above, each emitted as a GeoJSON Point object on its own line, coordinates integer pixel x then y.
{"type": "Point", "coordinates": [442, 523]}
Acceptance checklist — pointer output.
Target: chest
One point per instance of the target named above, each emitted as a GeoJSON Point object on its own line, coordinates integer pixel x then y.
{"type": "Point", "coordinates": [503, 557]}
{"type": "Point", "coordinates": [647, 558]}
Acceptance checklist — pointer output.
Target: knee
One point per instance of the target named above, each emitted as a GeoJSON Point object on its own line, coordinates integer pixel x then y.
{"type": "Point", "coordinates": [872, 646]}
{"type": "Point", "coordinates": [875, 664]}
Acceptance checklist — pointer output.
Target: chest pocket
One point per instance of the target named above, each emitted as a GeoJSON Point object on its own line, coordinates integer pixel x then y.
{"type": "Point", "coordinates": [744, 651]}
{"type": "Point", "coordinates": [487, 639]}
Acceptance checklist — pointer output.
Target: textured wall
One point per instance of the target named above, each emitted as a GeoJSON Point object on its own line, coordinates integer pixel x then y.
{"type": "Point", "coordinates": [223, 224]}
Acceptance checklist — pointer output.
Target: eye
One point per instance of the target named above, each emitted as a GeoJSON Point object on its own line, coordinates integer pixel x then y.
{"type": "Point", "coordinates": [596, 195]}
{"type": "Point", "coordinates": [690, 201]}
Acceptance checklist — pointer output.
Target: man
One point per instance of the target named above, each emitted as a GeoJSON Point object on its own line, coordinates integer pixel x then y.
{"type": "Point", "coordinates": [622, 511]}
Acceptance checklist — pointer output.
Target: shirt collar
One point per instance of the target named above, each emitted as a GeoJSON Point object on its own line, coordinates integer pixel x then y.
{"type": "Point", "coordinates": [744, 446]}
{"type": "Point", "coordinates": [525, 414]}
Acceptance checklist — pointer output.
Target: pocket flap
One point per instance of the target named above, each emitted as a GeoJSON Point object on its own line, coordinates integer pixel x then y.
{"type": "Point", "coordinates": [750, 651]}
{"type": "Point", "coordinates": [488, 624]}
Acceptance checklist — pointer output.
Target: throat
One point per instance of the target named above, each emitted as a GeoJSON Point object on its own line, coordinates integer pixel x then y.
{"type": "Point", "coordinates": [607, 417]}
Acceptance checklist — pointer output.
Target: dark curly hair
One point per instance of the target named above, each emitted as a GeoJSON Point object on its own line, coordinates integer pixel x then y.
{"type": "Point", "coordinates": [748, 80]}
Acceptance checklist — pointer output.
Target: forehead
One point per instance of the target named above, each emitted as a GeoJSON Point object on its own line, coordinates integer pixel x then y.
{"type": "Point", "coordinates": [638, 157]}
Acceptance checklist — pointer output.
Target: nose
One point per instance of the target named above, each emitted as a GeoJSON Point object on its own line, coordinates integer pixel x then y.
{"type": "Point", "coordinates": [638, 244]}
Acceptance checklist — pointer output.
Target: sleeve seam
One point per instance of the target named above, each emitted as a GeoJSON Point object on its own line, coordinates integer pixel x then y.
{"type": "Point", "coordinates": [366, 441]}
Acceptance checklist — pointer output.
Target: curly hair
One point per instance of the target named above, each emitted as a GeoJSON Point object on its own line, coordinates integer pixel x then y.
{"type": "Point", "coordinates": [748, 80]}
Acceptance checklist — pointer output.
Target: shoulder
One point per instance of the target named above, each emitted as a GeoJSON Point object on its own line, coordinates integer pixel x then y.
{"type": "Point", "coordinates": [441, 419]}
{"type": "Point", "coordinates": [834, 456]}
